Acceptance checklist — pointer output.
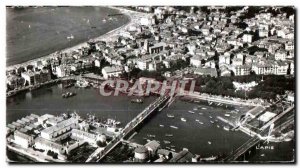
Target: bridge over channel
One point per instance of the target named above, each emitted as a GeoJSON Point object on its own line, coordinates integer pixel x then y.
{"type": "Point", "coordinates": [154, 106]}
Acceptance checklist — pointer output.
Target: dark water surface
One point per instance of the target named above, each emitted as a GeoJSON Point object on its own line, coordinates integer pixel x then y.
{"type": "Point", "coordinates": [36, 32]}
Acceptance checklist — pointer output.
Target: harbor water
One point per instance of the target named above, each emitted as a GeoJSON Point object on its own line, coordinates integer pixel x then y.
{"type": "Point", "coordinates": [207, 139]}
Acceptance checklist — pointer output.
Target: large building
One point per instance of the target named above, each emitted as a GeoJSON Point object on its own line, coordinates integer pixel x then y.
{"type": "Point", "coordinates": [59, 129]}
{"type": "Point", "coordinates": [109, 72]}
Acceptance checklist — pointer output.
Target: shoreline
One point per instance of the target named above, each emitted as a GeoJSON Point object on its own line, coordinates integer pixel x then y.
{"type": "Point", "coordinates": [109, 36]}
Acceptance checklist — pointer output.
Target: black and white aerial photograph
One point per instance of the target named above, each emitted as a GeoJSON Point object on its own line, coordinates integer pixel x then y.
{"type": "Point", "coordinates": [150, 84]}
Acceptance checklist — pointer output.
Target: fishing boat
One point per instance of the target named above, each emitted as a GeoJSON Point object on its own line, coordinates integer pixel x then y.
{"type": "Point", "coordinates": [183, 119]}
{"type": "Point", "coordinates": [191, 112]}
{"type": "Point", "coordinates": [68, 94]}
{"type": "Point", "coordinates": [167, 142]}
{"type": "Point", "coordinates": [137, 100]}
{"type": "Point", "coordinates": [70, 37]}
{"type": "Point", "coordinates": [151, 136]}
{"type": "Point", "coordinates": [168, 135]}
{"type": "Point", "coordinates": [172, 126]}
{"type": "Point", "coordinates": [82, 84]}
{"type": "Point", "coordinates": [226, 128]}
{"type": "Point", "coordinates": [170, 115]}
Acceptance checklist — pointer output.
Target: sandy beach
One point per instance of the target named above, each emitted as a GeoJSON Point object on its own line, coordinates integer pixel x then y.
{"type": "Point", "coordinates": [109, 36]}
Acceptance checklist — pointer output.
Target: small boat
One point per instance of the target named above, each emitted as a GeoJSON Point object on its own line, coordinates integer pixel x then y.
{"type": "Point", "coordinates": [168, 147]}
{"type": "Point", "coordinates": [183, 119]}
{"type": "Point", "coordinates": [226, 128]}
{"type": "Point", "coordinates": [137, 100]}
{"type": "Point", "coordinates": [70, 37]}
{"type": "Point", "coordinates": [200, 123]}
{"type": "Point", "coordinates": [262, 155]}
{"type": "Point", "coordinates": [195, 109]}
{"type": "Point", "coordinates": [197, 101]}
{"type": "Point", "coordinates": [29, 26]}
{"type": "Point", "coordinates": [227, 115]}
{"type": "Point", "coordinates": [172, 126]}
{"type": "Point", "coordinates": [210, 116]}
{"type": "Point", "coordinates": [203, 108]}
{"type": "Point", "coordinates": [197, 120]}
{"type": "Point", "coordinates": [168, 135]}
{"type": "Point", "coordinates": [161, 125]}
{"type": "Point", "coordinates": [191, 112]}
{"type": "Point", "coordinates": [68, 94]}
{"type": "Point", "coordinates": [170, 115]}
{"type": "Point", "coordinates": [151, 136]}
{"type": "Point", "coordinates": [209, 103]}
{"type": "Point", "coordinates": [218, 126]}
{"type": "Point", "coordinates": [212, 122]}
{"type": "Point", "coordinates": [104, 20]}
{"type": "Point", "coordinates": [172, 146]}
{"type": "Point", "coordinates": [209, 142]}
{"type": "Point", "coordinates": [201, 113]}
{"type": "Point", "coordinates": [167, 142]}
{"type": "Point", "coordinates": [173, 150]}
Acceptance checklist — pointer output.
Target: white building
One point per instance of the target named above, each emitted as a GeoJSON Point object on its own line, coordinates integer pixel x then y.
{"type": "Point", "coordinates": [23, 139]}
{"type": "Point", "coordinates": [59, 129]}
{"type": "Point", "coordinates": [196, 61]}
{"type": "Point", "coordinates": [247, 38]}
{"type": "Point", "coordinates": [109, 72]}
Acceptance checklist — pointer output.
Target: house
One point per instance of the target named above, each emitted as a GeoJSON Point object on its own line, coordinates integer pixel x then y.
{"type": "Point", "coordinates": [182, 157]}
{"type": "Point", "coordinates": [143, 64]}
{"type": "Point", "coordinates": [196, 61]}
{"type": "Point", "coordinates": [152, 147]}
{"type": "Point", "coordinates": [280, 55]}
{"type": "Point", "coordinates": [247, 38]}
{"type": "Point", "coordinates": [206, 71]}
{"type": "Point", "coordinates": [240, 70]}
{"type": "Point", "coordinates": [157, 48]}
{"type": "Point", "coordinates": [109, 72]}
{"type": "Point", "coordinates": [281, 68]}
{"type": "Point", "coordinates": [29, 77]}
{"type": "Point", "coordinates": [263, 68]}
{"type": "Point", "coordinates": [263, 33]}
{"type": "Point", "coordinates": [62, 71]}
